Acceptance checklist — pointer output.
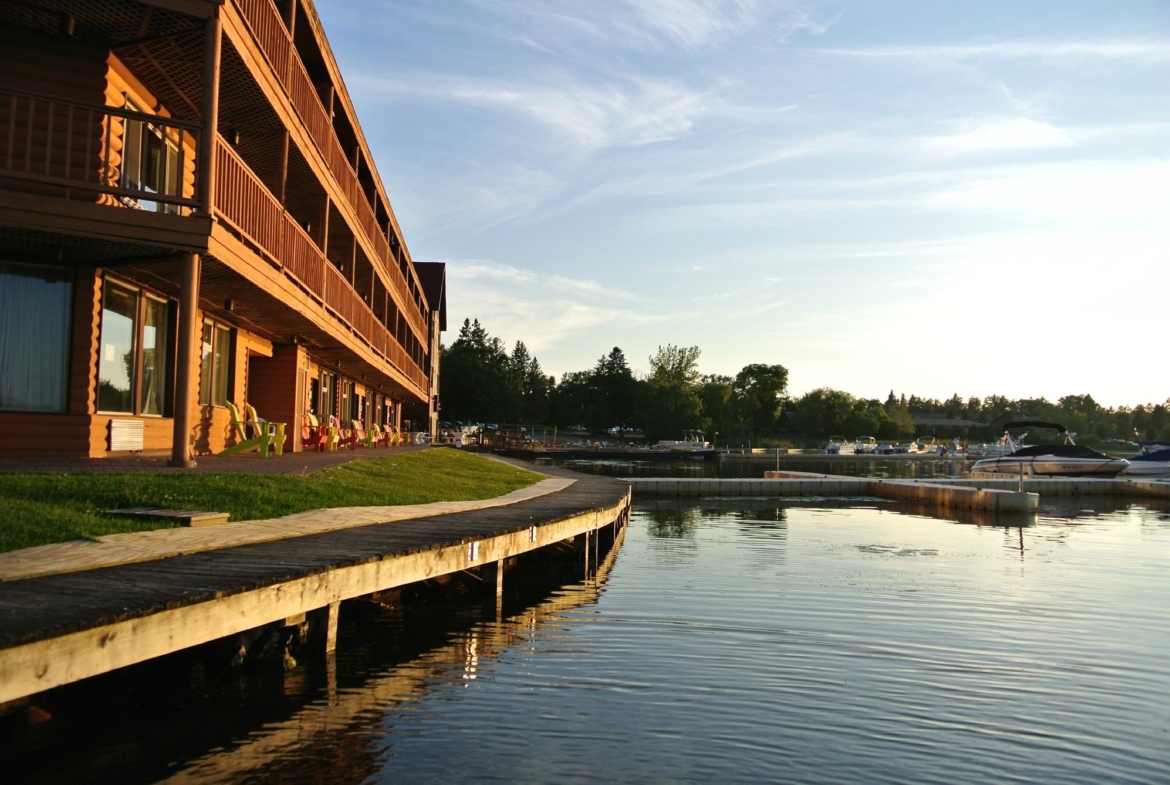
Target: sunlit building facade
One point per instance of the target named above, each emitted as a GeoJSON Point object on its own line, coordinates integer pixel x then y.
{"type": "Point", "coordinates": [190, 215]}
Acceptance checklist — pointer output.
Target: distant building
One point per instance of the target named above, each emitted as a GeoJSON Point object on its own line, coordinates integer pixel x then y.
{"type": "Point", "coordinates": [943, 426]}
{"type": "Point", "coordinates": [190, 215]}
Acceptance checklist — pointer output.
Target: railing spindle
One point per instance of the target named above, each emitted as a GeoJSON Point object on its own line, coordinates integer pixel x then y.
{"type": "Point", "coordinates": [28, 139]}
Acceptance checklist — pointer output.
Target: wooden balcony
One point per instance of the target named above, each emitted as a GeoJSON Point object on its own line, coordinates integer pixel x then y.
{"type": "Point", "coordinates": [273, 40]}
{"type": "Point", "coordinates": [245, 205]}
{"type": "Point", "coordinates": [77, 151]}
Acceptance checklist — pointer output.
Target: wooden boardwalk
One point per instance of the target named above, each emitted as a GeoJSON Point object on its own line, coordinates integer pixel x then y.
{"type": "Point", "coordinates": [61, 628]}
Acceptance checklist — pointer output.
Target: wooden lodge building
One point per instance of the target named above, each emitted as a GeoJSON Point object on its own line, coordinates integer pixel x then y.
{"type": "Point", "coordinates": [190, 215]}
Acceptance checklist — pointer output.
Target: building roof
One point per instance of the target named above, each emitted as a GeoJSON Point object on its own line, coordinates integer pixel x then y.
{"type": "Point", "coordinates": [942, 422]}
{"type": "Point", "coordinates": [433, 277]}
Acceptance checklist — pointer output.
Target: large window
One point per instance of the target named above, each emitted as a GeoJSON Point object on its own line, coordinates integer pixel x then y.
{"type": "Point", "coordinates": [34, 336]}
{"type": "Point", "coordinates": [134, 360]}
{"type": "Point", "coordinates": [328, 396]}
{"type": "Point", "coordinates": [216, 374]}
{"type": "Point", "coordinates": [150, 163]}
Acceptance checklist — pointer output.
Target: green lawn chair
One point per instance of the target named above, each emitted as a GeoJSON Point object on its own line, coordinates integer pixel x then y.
{"type": "Point", "coordinates": [275, 429]}
{"type": "Point", "coordinates": [260, 441]}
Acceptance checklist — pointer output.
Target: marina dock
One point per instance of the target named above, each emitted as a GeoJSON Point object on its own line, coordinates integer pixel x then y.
{"type": "Point", "coordinates": [57, 629]}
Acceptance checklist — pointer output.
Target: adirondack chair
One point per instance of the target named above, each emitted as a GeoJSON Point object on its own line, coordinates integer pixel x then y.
{"type": "Point", "coordinates": [261, 441]}
{"type": "Point", "coordinates": [276, 430]}
{"type": "Point", "coordinates": [392, 438]}
{"type": "Point", "coordinates": [345, 436]}
{"type": "Point", "coordinates": [377, 435]}
{"type": "Point", "coordinates": [313, 434]}
{"type": "Point", "coordinates": [365, 438]}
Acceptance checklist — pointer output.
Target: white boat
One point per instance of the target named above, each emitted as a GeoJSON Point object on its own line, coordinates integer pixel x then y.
{"type": "Point", "coordinates": [838, 446]}
{"type": "Point", "coordinates": [692, 442]}
{"type": "Point", "coordinates": [866, 444]}
{"type": "Point", "coordinates": [1050, 460]}
{"type": "Point", "coordinates": [1153, 461]}
{"type": "Point", "coordinates": [996, 449]}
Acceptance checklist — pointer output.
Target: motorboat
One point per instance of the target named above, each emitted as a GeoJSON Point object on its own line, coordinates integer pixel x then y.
{"type": "Point", "coordinates": [1152, 461]}
{"type": "Point", "coordinates": [1050, 460]}
{"type": "Point", "coordinates": [839, 446]}
{"type": "Point", "coordinates": [995, 449]}
{"type": "Point", "coordinates": [866, 444]}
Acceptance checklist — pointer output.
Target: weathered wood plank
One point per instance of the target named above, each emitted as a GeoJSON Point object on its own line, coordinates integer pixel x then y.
{"type": "Point", "coordinates": [57, 629]}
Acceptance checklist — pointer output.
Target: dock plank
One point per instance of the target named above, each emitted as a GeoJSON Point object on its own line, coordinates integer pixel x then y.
{"type": "Point", "coordinates": [41, 608]}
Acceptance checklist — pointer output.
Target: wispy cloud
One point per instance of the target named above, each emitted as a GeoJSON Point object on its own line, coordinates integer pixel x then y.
{"type": "Point", "coordinates": [1018, 133]}
{"type": "Point", "coordinates": [484, 270]}
{"type": "Point", "coordinates": [544, 310]}
{"type": "Point", "coordinates": [1139, 50]}
{"type": "Point", "coordinates": [694, 23]}
{"type": "Point", "coordinates": [609, 113]}
{"type": "Point", "coordinates": [801, 20]}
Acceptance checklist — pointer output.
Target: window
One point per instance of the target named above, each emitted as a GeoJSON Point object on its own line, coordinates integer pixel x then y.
{"type": "Point", "coordinates": [134, 362]}
{"type": "Point", "coordinates": [348, 401]}
{"type": "Point", "coordinates": [217, 353]}
{"type": "Point", "coordinates": [328, 390]}
{"type": "Point", "coordinates": [34, 336]}
{"type": "Point", "coordinates": [150, 163]}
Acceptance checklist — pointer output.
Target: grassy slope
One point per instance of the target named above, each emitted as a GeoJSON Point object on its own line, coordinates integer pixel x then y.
{"type": "Point", "coordinates": [41, 508]}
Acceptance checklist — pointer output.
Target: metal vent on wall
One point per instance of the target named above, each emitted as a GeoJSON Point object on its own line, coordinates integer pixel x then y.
{"type": "Point", "coordinates": [125, 435]}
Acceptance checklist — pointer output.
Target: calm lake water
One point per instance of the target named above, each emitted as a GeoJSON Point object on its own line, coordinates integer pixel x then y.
{"type": "Point", "coordinates": [733, 641]}
{"type": "Point", "coordinates": [865, 466]}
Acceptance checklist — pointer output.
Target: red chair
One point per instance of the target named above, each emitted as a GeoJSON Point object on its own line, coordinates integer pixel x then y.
{"type": "Point", "coordinates": [346, 437]}
{"type": "Point", "coordinates": [313, 434]}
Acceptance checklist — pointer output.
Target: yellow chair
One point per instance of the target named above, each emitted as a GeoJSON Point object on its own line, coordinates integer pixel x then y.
{"type": "Point", "coordinates": [276, 430]}
{"type": "Point", "coordinates": [261, 441]}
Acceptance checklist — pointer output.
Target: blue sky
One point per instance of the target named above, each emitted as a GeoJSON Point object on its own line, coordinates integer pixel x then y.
{"type": "Point", "coordinates": [923, 196]}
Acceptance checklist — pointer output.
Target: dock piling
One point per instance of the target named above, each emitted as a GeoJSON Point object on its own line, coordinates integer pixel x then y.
{"type": "Point", "coordinates": [332, 611]}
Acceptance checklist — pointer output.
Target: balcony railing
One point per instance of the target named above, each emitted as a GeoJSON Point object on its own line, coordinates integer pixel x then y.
{"type": "Point", "coordinates": [95, 152]}
{"type": "Point", "coordinates": [273, 39]}
{"type": "Point", "coordinates": [246, 205]}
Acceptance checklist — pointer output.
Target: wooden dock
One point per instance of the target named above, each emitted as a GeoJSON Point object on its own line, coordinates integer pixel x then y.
{"type": "Point", "coordinates": [59, 629]}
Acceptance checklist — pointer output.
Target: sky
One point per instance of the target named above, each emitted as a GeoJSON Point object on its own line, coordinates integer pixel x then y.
{"type": "Point", "coordinates": [930, 198]}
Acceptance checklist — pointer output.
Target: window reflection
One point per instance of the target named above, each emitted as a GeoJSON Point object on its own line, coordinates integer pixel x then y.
{"type": "Point", "coordinates": [216, 367]}
{"type": "Point", "coordinates": [116, 361]}
{"type": "Point", "coordinates": [154, 356]}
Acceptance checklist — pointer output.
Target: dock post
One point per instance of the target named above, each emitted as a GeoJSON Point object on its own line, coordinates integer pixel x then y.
{"type": "Point", "coordinates": [586, 556]}
{"type": "Point", "coordinates": [332, 612]}
{"type": "Point", "coordinates": [500, 578]}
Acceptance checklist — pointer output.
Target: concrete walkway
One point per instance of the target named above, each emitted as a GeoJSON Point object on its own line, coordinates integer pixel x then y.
{"type": "Point", "coordinates": [115, 549]}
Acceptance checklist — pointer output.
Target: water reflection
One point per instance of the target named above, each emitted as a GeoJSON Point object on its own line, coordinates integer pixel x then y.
{"type": "Point", "coordinates": [731, 640]}
{"type": "Point", "coordinates": [732, 466]}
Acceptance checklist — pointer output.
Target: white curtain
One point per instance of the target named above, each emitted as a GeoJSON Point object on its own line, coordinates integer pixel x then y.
{"type": "Point", "coordinates": [34, 336]}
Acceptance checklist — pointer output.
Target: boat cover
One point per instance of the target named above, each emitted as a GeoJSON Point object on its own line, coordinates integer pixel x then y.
{"type": "Point", "coordinates": [1154, 457]}
{"type": "Point", "coordinates": [1057, 451]}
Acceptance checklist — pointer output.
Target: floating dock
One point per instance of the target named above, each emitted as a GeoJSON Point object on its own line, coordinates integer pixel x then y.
{"type": "Point", "coordinates": [58, 629]}
{"type": "Point", "coordinates": [997, 494]}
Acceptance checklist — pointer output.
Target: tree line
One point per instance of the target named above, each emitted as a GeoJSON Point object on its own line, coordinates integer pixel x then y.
{"type": "Point", "coordinates": [481, 381]}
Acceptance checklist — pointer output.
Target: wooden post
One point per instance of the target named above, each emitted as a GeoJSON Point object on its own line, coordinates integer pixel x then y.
{"type": "Point", "coordinates": [282, 175]}
{"type": "Point", "coordinates": [500, 578]}
{"type": "Point", "coordinates": [325, 227]}
{"type": "Point", "coordinates": [186, 361]}
{"type": "Point", "coordinates": [587, 556]}
{"type": "Point", "coordinates": [333, 611]}
{"type": "Point", "coordinates": [212, 43]}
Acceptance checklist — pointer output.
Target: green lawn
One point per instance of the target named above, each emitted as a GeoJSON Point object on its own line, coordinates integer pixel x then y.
{"type": "Point", "coordinates": [36, 509]}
